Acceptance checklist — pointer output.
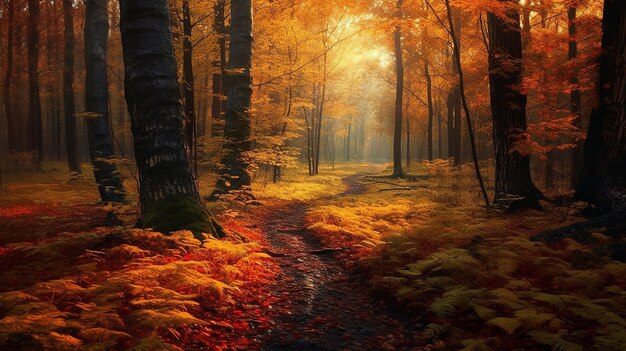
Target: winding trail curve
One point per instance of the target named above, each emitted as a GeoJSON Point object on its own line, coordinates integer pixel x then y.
{"type": "Point", "coordinates": [327, 308]}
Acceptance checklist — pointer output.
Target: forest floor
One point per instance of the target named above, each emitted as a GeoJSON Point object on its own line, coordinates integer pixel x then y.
{"type": "Point", "coordinates": [348, 260]}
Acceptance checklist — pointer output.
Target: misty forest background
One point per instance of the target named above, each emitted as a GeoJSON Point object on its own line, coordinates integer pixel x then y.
{"type": "Point", "coordinates": [297, 174]}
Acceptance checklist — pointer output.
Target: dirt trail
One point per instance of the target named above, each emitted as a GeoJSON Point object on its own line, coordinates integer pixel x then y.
{"type": "Point", "coordinates": [327, 309]}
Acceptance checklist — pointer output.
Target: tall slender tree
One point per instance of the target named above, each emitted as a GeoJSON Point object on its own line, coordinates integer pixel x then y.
{"type": "Point", "coordinates": [217, 103]}
{"type": "Point", "coordinates": [34, 125]}
{"type": "Point", "coordinates": [514, 187]}
{"type": "Point", "coordinates": [603, 178]}
{"type": "Point", "coordinates": [168, 192]}
{"type": "Point", "coordinates": [8, 79]}
{"type": "Point", "coordinates": [188, 81]}
{"type": "Point", "coordinates": [429, 89]}
{"type": "Point", "coordinates": [397, 131]}
{"type": "Point", "coordinates": [97, 101]}
{"type": "Point", "coordinates": [575, 95]}
{"type": "Point", "coordinates": [235, 175]}
{"type": "Point", "coordinates": [71, 137]}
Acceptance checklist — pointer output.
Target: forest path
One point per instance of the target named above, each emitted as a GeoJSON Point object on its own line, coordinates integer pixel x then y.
{"type": "Point", "coordinates": [322, 307]}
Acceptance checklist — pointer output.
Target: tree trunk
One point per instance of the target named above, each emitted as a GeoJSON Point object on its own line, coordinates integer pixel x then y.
{"type": "Point", "coordinates": [450, 130]}
{"type": "Point", "coordinates": [468, 119]}
{"type": "Point", "coordinates": [603, 178]}
{"type": "Point", "coordinates": [397, 133]}
{"type": "Point", "coordinates": [575, 98]}
{"type": "Point", "coordinates": [188, 82]}
{"type": "Point", "coordinates": [514, 187]}
{"type": "Point", "coordinates": [348, 140]}
{"type": "Point", "coordinates": [34, 125]}
{"type": "Point", "coordinates": [429, 86]}
{"type": "Point", "coordinates": [408, 142]}
{"type": "Point", "coordinates": [8, 80]}
{"type": "Point", "coordinates": [71, 136]}
{"type": "Point", "coordinates": [439, 129]}
{"type": "Point", "coordinates": [168, 192]}
{"type": "Point", "coordinates": [217, 102]}
{"type": "Point", "coordinates": [458, 124]}
{"type": "Point", "coordinates": [235, 175]}
{"type": "Point", "coordinates": [97, 101]}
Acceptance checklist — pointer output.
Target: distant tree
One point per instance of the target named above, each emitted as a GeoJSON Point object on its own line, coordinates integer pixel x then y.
{"type": "Point", "coordinates": [397, 132]}
{"type": "Point", "coordinates": [168, 192]}
{"type": "Point", "coordinates": [97, 101]}
{"type": "Point", "coordinates": [429, 89]}
{"type": "Point", "coordinates": [239, 91]}
{"type": "Point", "coordinates": [217, 104]}
{"type": "Point", "coordinates": [514, 187]}
{"type": "Point", "coordinates": [8, 79]}
{"type": "Point", "coordinates": [575, 94]}
{"type": "Point", "coordinates": [34, 125]}
{"type": "Point", "coordinates": [71, 137]}
{"type": "Point", "coordinates": [603, 177]}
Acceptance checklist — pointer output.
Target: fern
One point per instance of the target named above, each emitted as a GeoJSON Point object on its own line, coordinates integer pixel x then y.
{"type": "Point", "coordinates": [509, 325]}
{"type": "Point", "coordinates": [163, 319]}
{"type": "Point", "coordinates": [555, 341]}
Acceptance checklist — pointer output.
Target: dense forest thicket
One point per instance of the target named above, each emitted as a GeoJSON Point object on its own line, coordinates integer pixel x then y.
{"type": "Point", "coordinates": [313, 175]}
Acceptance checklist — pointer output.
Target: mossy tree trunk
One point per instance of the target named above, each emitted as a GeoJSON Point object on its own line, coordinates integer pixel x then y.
{"type": "Point", "coordinates": [97, 102]}
{"type": "Point", "coordinates": [168, 191]}
{"type": "Point", "coordinates": [238, 94]}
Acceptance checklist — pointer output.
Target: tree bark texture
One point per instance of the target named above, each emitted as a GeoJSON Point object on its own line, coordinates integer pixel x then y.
{"type": "Point", "coordinates": [397, 132]}
{"type": "Point", "coordinates": [168, 191]}
{"type": "Point", "coordinates": [97, 102]}
{"type": "Point", "coordinates": [34, 125]}
{"type": "Point", "coordinates": [69, 109]}
{"type": "Point", "coordinates": [508, 105]}
{"type": "Point", "coordinates": [603, 179]}
{"type": "Point", "coordinates": [235, 175]}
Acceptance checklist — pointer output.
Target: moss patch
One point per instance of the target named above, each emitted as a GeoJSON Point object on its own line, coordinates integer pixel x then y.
{"type": "Point", "coordinates": [180, 212]}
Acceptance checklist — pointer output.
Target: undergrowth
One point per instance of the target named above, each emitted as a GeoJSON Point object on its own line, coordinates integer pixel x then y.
{"type": "Point", "coordinates": [133, 289]}
{"type": "Point", "coordinates": [473, 278]}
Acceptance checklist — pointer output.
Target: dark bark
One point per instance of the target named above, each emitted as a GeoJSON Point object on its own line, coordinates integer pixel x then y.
{"type": "Point", "coordinates": [348, 139]}
{"type": "Point", "coordinates": [575, 97]}
{"type": "Point", "coordinates": [397, 133]}
{"type": "Point", "coordinates": [188, 83]}
{"type": "Point", "coordinates": [458, 124]}
{"type": "Point", "coordinates": [71, 137]}
{"type": "Point", "coordinates": [97, 102]}
{"type": "Point", "coordinates": [235, 175]}
{"type": "Point", "coordinates": [34, 125]}
{"type": "Point", "coordinates": [217, 104]}
{"type": "Point", "coordinates": [603, 179]}
{"type": "Point", "coordinates": [408, 143]}
{"type": "Point", "coordinates": [514, 187]}
{"type": "Point", "coordinates": [8, 80]}
{"type": "Point", "coordinates": [451, 98]}
{"type": "Point", "coordinates": [429, 87]}
{"type": "Point", "coordinates": [468, 119]}
{"type": "Point", "coordinates": [168, 192]}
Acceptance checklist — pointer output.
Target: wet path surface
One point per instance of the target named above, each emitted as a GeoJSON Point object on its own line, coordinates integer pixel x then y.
{"type": "Point", "coordinates": [327, 309]}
